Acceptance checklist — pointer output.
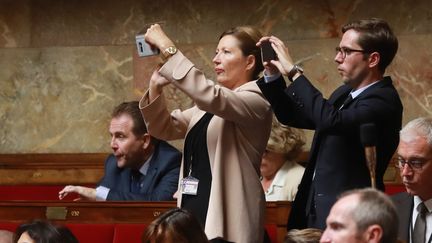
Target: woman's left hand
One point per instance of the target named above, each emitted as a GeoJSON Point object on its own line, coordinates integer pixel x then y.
{"type": "Point", "coordinates": [156, 37]}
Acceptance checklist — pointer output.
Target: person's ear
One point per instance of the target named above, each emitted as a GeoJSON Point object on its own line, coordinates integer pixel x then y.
{"type": "Point", "coordinates": [373, 234]}
{"type": "Point", "coordinates": [146, 140]}
{"type": "Point", "coordinates": [250, 62]}
{"type": "Point", "coordinates": [374, 59]}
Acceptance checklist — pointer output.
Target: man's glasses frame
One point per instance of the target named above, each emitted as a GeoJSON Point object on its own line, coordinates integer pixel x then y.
{"type": "Point", "coordinates": [347, 51]}
{"type": "Point", "coordinates": [414, 164]}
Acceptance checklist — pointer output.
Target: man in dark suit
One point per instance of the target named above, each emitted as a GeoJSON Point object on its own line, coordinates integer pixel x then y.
{"type": "Point", "coordinates": [415, 165]}
{"type": "Point", "coordinates": [140, 168]}
{"type": "Point", "coordinates": [337, 160]}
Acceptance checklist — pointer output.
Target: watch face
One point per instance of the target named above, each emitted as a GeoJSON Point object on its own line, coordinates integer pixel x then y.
{"type": "Point", "coordinates": [172, 50]}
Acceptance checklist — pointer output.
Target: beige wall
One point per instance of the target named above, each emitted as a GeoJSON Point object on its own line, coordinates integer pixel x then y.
{"type": "Point", "coordinates": [64, 64]}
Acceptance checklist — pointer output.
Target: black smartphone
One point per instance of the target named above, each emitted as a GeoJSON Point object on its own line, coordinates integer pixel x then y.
{"type": "Point", "coordinates": [267, 52]}
{"type": "Point", "coordinates": [143, 48]}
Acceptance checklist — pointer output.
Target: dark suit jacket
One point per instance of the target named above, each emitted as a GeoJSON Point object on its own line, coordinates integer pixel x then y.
{"type": "Point", "coordinates": [404, 206]}
{"type": "Point", "coordinates": [159, 184]}
{"type": "Point", "coordinates": [337, 155]}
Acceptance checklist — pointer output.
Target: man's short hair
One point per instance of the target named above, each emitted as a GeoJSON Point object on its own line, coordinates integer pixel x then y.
{"type": "Point", "coordinates": [421, 126]}
{"type": "Point", "coordinates": [375, 36]}
{"type": "Point", "coordinates": [132, 109]}
{"type": "Point", "coordinates": [374, 207]}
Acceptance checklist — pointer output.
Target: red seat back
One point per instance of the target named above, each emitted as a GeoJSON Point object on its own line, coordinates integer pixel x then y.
{"type": "Point", "coordinates": [128, 233]}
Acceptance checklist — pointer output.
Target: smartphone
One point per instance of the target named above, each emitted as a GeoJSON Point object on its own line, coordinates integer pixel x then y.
{"type": "Point", "coordinates": [267, 52]}
{"type": "Point", "coordinates": [144, 49]}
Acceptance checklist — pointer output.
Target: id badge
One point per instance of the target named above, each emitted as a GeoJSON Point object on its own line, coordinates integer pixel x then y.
{"type": "Point", "coordinates": [189, 185]}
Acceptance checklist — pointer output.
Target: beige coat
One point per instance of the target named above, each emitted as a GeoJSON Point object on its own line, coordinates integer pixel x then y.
{"type": "Point", "coordinates": [236, 138]}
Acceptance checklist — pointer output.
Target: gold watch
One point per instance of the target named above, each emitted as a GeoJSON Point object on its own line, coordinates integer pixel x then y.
{"type": "Point", "coordinates": [168, 52]}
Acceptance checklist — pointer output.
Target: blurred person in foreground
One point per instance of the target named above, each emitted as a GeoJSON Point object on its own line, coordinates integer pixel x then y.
{"type": "Point", "coordinates": [6, 236]}
{"type": "Point", "coordinates": [308, 235]}
{"type": "Point", "coordinates": [39, 231]}
{"type": "Point", "coordinates": [175, 226]}
{"type": "Point", "coordinates": [362, 216]}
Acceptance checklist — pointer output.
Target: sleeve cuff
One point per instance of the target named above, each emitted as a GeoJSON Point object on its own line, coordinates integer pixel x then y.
{"type": "Point", "coordinates": [271, 78]}
{"type": "Point", "coordinates": [102, 193]}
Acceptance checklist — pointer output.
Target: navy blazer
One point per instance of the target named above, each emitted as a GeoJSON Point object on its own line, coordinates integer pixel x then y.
{"type": "Point", "coordinates": [159, 184]}
{"type": "Point", "coordinates": [404, 206]}
{"type": "Point", "coordinates": [337, 156]}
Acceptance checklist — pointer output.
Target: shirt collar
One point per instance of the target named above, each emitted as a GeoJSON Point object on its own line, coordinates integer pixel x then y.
{"type": "Point", "coordinates": [427, 203]}
{"type": "Point", "coordinates": [144, 168]}
{"type": "Point", "coordinates": [359, 91]}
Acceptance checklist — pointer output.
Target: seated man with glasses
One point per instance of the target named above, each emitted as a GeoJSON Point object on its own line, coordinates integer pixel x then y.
{"type": "Point", "coordinates": [337, 159]}
{"type": "Point", "coordinates": [415, 165]}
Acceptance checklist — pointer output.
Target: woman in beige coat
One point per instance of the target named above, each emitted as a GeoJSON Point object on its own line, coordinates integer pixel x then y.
{"type": "Point", "coordinates": [225, 133]}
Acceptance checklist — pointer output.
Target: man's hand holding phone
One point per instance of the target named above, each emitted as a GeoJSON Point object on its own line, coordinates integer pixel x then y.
{"type": "Point", "coordinates": [267, 55]}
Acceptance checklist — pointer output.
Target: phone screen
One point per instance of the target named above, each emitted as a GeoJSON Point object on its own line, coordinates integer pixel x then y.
{"type": "Point", "coordinates": [267, 52]}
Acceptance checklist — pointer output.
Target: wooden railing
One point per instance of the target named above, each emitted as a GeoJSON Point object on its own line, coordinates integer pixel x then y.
{"type": "Point", "coordinates": [85, 168]}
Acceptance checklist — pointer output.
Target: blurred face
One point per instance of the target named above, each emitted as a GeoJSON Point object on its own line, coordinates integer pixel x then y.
{"type": "Point", "coordinates": [232, 68]}
{"type": "Point", "coordinates": [25, 238]}
{"type": "Point", "coordinates": [417, 181]}
{"type": "Point", "coordinates": [271, 162]}
{"type": "Point", "coordinates": [340, 225]}
{"type": "Point", "coordinates": [354, 67]}
{"type": "Point", "coordinates": [129, 149]}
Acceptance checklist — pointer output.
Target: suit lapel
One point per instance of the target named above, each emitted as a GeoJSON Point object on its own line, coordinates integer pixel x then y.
{"type": "Point", "coordinates": [151, 172]}
{"type": "Point", "coordinates": [386, 81]}
{"type": "Point", "coordinates": [404, 204]}
{"type": "Point", "coordinates": [338, 97]}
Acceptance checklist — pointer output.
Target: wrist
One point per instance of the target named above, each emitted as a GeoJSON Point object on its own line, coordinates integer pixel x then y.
{"type": "Point", "coordinates": [294, 72]}
{"type": "Point", "coordinates": [168, 52]}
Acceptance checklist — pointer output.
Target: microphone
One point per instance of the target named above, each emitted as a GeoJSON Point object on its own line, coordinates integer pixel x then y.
{"type": "Point", "coordinates": [368, 138]}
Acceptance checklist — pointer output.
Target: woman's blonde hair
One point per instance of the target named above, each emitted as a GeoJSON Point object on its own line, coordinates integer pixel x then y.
{"type": "Point", "coordinates": [285, 139]}
{"type": "Point", "coordinates": [308, 235]}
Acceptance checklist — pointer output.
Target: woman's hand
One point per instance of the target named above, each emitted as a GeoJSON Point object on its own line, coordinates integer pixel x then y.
{"type": "Point", "coordinates": [284, 63]}
{"type": "Point", "coordinates": [157, 82]}
{"type": "Point", "coordinates": [156, 37]}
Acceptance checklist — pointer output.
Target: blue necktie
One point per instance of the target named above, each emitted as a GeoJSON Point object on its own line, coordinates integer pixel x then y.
{"type": "Point", "coordinates": [135, 181]}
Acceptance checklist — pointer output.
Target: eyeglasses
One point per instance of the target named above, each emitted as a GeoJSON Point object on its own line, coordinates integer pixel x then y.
{"type": "Point", "coordinates": [415, 164]}
{"type": "Point", "coordinates": [346, 51]}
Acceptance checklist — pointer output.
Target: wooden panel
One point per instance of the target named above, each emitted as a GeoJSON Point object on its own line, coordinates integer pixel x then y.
{"type": "Point", "coordinates": [52, 161]}
{"type": "Point", "coordinates": [51, 169]}
{"type": "Point", "coordinates": [85, 168]}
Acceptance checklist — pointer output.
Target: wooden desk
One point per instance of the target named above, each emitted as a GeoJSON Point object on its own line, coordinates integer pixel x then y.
{"type": "Point", "coordinates": [115, 212]}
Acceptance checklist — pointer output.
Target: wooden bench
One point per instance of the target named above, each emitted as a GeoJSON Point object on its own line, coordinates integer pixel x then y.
{"type": "Point", "coordinates": [41, 176]}
{"type": "Point", "coordinates": [117, 222]}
